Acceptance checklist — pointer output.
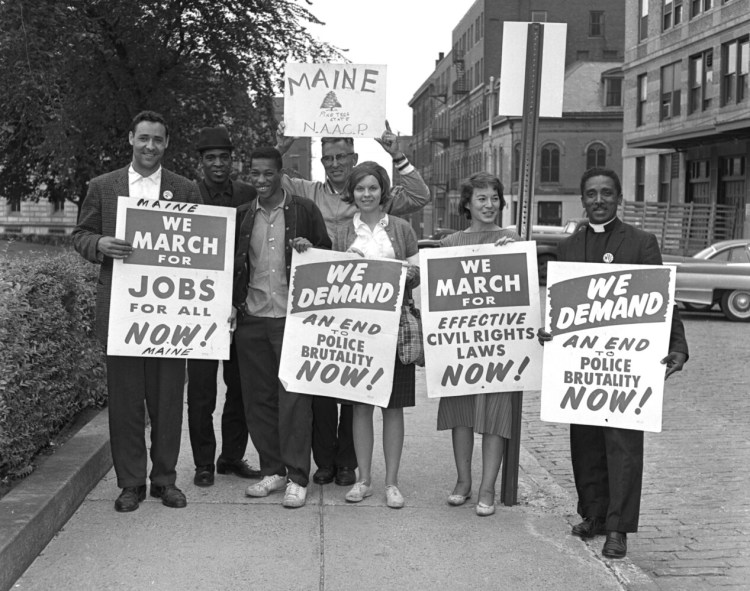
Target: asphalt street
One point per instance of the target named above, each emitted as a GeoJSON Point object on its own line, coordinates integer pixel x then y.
{"type": "Point", "coordinates": [695, 512]}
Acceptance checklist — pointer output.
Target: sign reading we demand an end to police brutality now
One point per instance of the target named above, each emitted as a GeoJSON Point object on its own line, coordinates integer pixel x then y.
{"type": "Point", "coordinates": [172, 296]}
{"type": "Point", "coordinates": [480, 315]}
{"type": "Point", "coordinates": [342, 325]}
{"type": "Point", "coordinates": [610, 327]}
{"type": "Point", "coordinates": [334, 100]}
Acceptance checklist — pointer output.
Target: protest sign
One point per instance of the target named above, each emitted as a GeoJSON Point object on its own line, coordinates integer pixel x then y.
{"type": "Point", "coordinates": [610, 327]}
{"type": "Point", "coordinates": [173, 295]}
{"type": "Point", "coordinates": [334, 100]}
{"type": "Point", "coordinates": [342, 325]}
{"type": "Point", "coordinates": [480, 314]}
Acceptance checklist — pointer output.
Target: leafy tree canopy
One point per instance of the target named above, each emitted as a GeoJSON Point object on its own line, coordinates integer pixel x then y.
{"type": "Point", "coordinates": [74, 73]}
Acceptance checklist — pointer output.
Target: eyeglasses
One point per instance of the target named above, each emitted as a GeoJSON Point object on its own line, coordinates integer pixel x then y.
{"type": "Point", "coordinates": [328, 160]}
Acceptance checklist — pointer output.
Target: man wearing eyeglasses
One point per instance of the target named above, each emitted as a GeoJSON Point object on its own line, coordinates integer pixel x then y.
{"type": "Point", "coordinates": [332, 444]}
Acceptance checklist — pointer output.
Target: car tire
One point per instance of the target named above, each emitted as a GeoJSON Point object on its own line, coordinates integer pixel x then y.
{"type": "Point", "coordinates": [736, 305]}
{"type": "Point", "coordinates": [542, 267]}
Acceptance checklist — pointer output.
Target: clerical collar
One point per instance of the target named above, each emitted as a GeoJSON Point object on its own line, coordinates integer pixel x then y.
{"type": "Point", "coordinates": [605, 227]}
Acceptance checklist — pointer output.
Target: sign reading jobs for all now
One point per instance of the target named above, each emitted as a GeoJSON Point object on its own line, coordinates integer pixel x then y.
{"type": "Point", "coordinates": [172, 296]}
{"type": "Point", "coordinates": [342, 325]}
{"type": "Point", "coordinates": [610, 327]}
{"type": "Point", "coordinates": [334, 100]}
{"type": "Point", "coordinates": [480, 314]}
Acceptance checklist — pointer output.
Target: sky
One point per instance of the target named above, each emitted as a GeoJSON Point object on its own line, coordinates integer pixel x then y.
{"type": "Point", "coordinates": [405, 35]}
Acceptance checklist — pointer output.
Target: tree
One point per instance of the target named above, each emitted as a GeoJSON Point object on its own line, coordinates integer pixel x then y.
{"type": "Point", "coordinates": [330, 101]}
{"type": "Point", "coordinates": [74, 73]}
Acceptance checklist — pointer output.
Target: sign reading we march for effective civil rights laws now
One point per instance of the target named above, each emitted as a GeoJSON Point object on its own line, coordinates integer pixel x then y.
{"type": "Point", "coordinates": [334, 100]}
{"type": "Point", "coordinates": [610, 326]}
{"type": "Point", "coordinates": [342, 325]}
{"type": "Point", "coordinates": [173, 295]}
{"type": "Point", "coordinates": [480, 314]}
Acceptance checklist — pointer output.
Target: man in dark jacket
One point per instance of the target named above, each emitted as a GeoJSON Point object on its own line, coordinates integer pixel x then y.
{"type": "Point", "coordinates": [218, 188]}
{"type": "Point", "coordinates": [279, 422]}
{"type": "Point", "coordinates": [131, 380]}
{"type": "Point", "coordinates": [608, 462]}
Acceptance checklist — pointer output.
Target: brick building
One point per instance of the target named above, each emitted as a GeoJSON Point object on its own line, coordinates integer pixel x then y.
{"type": "Point", "coordinates": [687, 121]}
{"type": "Point", "coordinates": [455, 136]}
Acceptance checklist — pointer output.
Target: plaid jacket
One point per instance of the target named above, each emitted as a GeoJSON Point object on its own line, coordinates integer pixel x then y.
{"type": "Point", "coordinates": [98, 218]}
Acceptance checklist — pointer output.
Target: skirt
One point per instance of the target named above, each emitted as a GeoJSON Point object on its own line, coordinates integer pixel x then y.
{"type": "Point", "coordinates": [484, 413]}
{"type": "Point", "coordinates": [402, 394]}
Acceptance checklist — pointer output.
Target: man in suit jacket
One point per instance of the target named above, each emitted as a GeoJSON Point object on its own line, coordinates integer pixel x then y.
{"type": "Point", "coordinates": [131, 380]}
{"type": "Point", "coordinates": [217, 188]}
{"type": "Point", "coordinates": [608, 462]}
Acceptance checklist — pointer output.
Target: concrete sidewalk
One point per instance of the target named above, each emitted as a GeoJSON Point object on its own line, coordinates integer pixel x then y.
{"type": "Point", "coordinates": [224, 540]}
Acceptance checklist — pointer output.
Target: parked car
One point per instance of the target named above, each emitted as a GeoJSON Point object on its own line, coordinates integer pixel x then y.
{"type": "Point", "coordinates": [719, 274]}
{"type": "Point", "coordinates": [546, 237]}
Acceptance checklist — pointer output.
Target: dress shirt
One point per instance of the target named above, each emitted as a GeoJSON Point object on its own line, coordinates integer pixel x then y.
{"type": "Point", "coordinates": [221, 196]}
{"type": "Point", "coordinates": [144, 187]}
{"type": "Point", "coordinates": [268, 290]}
{"type": "Point", "coordinates": [372, 243]}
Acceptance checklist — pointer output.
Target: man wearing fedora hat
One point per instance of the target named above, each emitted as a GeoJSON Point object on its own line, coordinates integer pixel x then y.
{"type": "Point", "coordinates": [218, 188]}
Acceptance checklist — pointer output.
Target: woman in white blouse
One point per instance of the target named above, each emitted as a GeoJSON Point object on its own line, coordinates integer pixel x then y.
{"type": "Point", "coordinates": [373, 233]}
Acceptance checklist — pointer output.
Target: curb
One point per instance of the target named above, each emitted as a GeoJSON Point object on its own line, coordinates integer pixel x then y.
{"type": "Point", "coordinates": [625, 571]}
{"type": "Point", "coordinates": [34, 511]}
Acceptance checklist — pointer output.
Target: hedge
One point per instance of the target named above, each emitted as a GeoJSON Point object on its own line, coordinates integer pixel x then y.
{"type": "Point", "coordinates": [51, 365]}
{"type": "Point", "coordinates": [48, 239]}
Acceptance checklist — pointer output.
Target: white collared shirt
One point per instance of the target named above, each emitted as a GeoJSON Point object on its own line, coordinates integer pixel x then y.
{"type": "Point", "coordinates": [372, 243]}
{"type": "Point", "coordinates": [144, 187]}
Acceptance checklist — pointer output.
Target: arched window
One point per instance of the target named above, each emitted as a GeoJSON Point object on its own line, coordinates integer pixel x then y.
{"type": "Point", "coordinates": [596, 155]}
{"type": "Point", "coordinates": [550, 163]}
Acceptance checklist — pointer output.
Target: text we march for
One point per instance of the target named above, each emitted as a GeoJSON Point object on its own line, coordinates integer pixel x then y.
{"type": "Point", "coordinates": [172, 296]}
{"type": "Point", "coordinates": [342, 325]}
{"type": "Point", "coordinates": [480, 314]}
{"type": "Point", "coordinates": [610, 327]}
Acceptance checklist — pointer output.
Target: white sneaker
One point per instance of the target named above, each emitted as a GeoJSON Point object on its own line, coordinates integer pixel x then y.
{"type": "Point", "coordinates": [393, 497]}
{"type": "Point", "coordinates": [295, 495]}
{"type": "Point", "coordinates": [358, 492]}
{"type": "Point", "coordinates": [266, 486]}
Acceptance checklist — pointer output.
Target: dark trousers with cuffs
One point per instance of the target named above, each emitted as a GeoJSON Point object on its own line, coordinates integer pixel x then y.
{"type": "Point", "coordinates": [332, 439]}
{"type": "Point", "coordinates": [161, 383]}
{"type": "Point", "coordinates": [201, 397]}
{"type": "Point", "coordinates": [608, 471]}
{"type": "Point", "coordinates": [279, 422]}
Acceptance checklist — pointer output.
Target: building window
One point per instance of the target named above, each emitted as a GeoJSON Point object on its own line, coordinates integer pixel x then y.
{"type": "Point", "coordinates": [698, 6]}
{"type": "Point", "coordinates": [538, 16]}
{"type": "Point", "coordinates": [670, 91]}
{"type": "Point", "coordinates": [549, 213]}
{"type": "Point", "coordinates": [699, 182]}
{"type": "Point", "coordinates": [596, 23]}
{"type": "Point", "coordinates": [640, 115]}
{"type": "Point", "coordinates": [701, 77]}
{"type": "Point", "coordinates": [671, 14]}
{"type": "Point", "coordinates": [14, 205]}
{"type": "Point", "coordinates": [58, 206]}
{"type": "Point", "coordinates": [517, 163]}
{"type": "Point", "coordinates": [596, 156]}
{"type": "Point", "coordinates": [640, 178]}
{"type": "Point", "coordinates": [642, 19]}
{"type": "Point", "coordinates": [550, 164]}
{"type": "Point", "coordinates": [669, 171]}
{"type": "Point", "coordinates": [613, 92]}
{"type": "Point", "coordinates": [735, 62]}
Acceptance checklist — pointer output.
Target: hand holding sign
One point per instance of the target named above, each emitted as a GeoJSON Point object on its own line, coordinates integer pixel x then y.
{"type": "Point", "coordinates": [114, 247]}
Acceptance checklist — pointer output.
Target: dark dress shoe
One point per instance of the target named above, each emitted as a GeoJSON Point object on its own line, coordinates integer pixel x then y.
{"type": "Point", "coordinates": [588, 528]}
{"type": "Point", "coordinates": [616, 545]}
{"type": "Point", "coordinates": [170, 495]}
{"type": "Point", "coordinates": [204, 476]}
{"type": "Point", "coordinates": [130, 498]}
{"type": "Point", "coordinates": [236, 467]}
{"type": "Point", "coordinates": [345, 476]}
{"type": "Point", "coordinates": [324, 475]}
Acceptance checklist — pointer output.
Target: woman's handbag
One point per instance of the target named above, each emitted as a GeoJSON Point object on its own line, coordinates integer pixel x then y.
{"type": "Point", "coordinates": [410, 347]}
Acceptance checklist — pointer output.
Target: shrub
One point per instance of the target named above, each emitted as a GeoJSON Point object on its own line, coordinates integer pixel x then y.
{"type": "Point", "coordinates": [51, 239]}
{"type": "Point", "coordinates": [51, 364]}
